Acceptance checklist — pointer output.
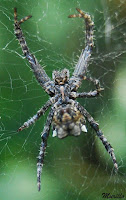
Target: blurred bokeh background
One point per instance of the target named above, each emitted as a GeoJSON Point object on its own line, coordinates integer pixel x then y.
{"type": "Point", "coordinates": [75, 168]}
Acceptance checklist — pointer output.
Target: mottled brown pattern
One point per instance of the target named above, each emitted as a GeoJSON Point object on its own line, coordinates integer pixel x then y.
{"type": "Point", "coordinates": [67, 119]}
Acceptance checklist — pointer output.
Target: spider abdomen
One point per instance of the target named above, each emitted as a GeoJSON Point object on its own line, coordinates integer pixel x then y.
{"type": "Point", "coordinates": [67, 120]}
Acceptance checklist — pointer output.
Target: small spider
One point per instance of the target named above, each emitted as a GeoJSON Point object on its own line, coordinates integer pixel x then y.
{"type": "Point", "coordinates": [67, 116]}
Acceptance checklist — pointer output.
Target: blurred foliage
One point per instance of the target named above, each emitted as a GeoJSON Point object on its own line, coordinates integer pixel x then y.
{"type": "Point", "coordinates": [75, 168]}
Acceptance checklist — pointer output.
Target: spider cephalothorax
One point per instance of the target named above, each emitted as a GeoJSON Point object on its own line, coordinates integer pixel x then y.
{"type": "Point", "coordinates": [61, 77]}
{"type": "Point", "coordinates": [67, 116]}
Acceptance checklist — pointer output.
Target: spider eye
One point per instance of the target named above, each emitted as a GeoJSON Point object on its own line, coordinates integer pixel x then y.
{"type": "Point", "coordinates": [61, 112]}
{"type": "Point", "coordinates": [68, 110]}
{"type": "Point", "coordinates": [60, 77]}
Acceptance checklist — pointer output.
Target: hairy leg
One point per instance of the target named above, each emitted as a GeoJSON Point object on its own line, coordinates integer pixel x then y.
{"type": "Point", "coordinates": [43, 146]}
{"type": "Point", "coordinates": [90, 94]}
{"type": "Point", "coordinates": [99, 133]}
{"type": "Point", "coordinates": [82, 64]}
{"type": "Point", "coordinates": [38, 70]}
{"type": "Point", "coordinates": [40, 112]}
{"type": "Point", "coordinates": [93, 93]}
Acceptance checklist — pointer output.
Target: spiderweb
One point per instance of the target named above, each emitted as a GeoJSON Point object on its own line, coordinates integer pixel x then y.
{"type": "Point", "coordinates": [74, 168]}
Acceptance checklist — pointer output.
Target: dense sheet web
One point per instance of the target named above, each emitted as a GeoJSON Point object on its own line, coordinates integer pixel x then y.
{"type": "Point", "coordinates": [75, 167]}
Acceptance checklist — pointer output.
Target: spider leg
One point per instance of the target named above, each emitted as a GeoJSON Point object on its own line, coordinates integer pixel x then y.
{"type": "Point", "coordinates": [41, 156]}
{"type": "Point", "coordinates": [99, 133]}
{"type": "Point", "coordinates": [39, 72]}
{"type": "Point", "coordinates": [82, 64]}
{"type": "Point", "coordinates": [96, 82]}
{"type": "Point", "coordinates": [90, 94]}
{"type": "Point", "coordinates": [93, 93]}
{"type": "Point", "coordinates": [39, 113]}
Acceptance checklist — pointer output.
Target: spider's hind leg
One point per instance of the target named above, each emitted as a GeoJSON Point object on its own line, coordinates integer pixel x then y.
{"type": "Point", "coordinates": [99, 133]}
{"type": "Point", "coordinates": [43, 146]}
{"type": "Point", "coordinates": [106, 144]}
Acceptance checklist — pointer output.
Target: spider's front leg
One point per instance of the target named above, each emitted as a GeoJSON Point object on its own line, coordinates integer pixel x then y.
{"type": "Point", "coordinates": [44, 137]}
{"type": "Point", "coordinates": [99, 133]}
{"type": "Point", "coordinates": [37, 69]}
{"type": "Point", "coordinates": [82, 64]}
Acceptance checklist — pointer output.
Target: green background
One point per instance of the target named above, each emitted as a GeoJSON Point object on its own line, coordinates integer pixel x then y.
{"type": "Point", "coordinates": [75, 168]}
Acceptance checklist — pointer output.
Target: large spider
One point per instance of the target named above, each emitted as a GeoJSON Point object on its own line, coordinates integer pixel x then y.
{"type": "Point", "coordinates": [67, 116]}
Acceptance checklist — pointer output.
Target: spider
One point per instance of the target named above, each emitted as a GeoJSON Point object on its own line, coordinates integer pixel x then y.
{"type": "Point", "coordinates": [66, 116]}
